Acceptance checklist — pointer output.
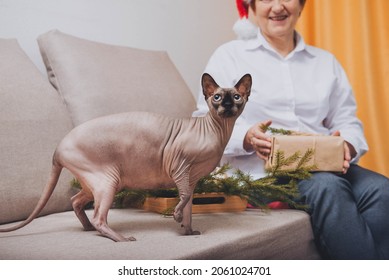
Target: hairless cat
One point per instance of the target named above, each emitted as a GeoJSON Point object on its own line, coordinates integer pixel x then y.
{"type": "Point", "coordinates": [144, 150]}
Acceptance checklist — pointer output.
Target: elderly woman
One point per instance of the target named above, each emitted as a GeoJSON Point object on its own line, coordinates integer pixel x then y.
{"type": "Point", "coordinates": [303, 88]}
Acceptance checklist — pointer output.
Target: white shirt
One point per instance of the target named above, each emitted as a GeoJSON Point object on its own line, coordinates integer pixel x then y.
{"type": "Point", "coordinates": [306, 91]}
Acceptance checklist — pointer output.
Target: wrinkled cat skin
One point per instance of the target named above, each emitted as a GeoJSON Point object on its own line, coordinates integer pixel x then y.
{"type": "Point", "coordinates": [145, 150]}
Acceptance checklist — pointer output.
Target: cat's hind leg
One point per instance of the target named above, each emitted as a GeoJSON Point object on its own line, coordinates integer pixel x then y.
{"type": "Point", "coordinates": [104, 189]}
{"type": "Point", "coordinates": [78, 202]}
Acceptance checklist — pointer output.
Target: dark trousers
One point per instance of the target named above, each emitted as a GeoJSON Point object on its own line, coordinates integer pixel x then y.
{"type": "Point", "coordinates": [349, 213]}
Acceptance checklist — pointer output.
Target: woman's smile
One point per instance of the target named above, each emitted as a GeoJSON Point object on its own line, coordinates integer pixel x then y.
{"type": "Point", "coordinates": [278, 18]}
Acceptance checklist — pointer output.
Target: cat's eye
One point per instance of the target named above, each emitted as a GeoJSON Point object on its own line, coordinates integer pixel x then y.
{"type": "Point", "coordinates": [217, 97]}
{"type": "Point", "coordinates": [237, 97]}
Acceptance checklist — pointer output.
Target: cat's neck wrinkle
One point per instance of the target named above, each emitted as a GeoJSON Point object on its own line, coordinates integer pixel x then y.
{"type": "Point", "coordinates": [221, 126]}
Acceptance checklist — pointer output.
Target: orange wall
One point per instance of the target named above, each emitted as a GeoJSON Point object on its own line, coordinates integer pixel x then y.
{"type": "Point", "coordinates": [357, 33]}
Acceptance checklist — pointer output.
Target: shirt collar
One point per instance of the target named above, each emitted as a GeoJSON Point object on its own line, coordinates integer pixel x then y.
{"type": "Point", "coordinates": [260, 41]}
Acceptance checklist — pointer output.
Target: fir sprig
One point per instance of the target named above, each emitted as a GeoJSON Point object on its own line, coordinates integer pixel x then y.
{"type": "Point", "coordinates": [273, 130]}
{"type": "Point", "coordinates": [281, 165]}
{"type": "Point", "coordinates": [279, 184]}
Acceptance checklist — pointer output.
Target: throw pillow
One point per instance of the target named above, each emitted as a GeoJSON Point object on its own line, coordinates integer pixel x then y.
{"type": "Point", "coordinates": [97, 79]}
{"type": "Point", "coordinates": [33, 119]}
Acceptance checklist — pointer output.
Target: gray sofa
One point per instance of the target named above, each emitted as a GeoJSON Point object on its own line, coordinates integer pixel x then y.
{"type": "Point", "coordinates": [86, 80]}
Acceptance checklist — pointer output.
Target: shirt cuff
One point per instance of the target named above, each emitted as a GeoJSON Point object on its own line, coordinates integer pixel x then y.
{"type": "Point", "coordinates": [235, 145]}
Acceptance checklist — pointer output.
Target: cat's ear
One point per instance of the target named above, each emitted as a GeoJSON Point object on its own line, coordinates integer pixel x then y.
{"type": "Point", "coordinates": [209, 85]}
{"type": "Point", "coordinates": [244, 85]}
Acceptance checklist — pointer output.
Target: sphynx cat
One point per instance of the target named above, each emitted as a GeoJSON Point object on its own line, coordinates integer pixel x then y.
{"type": "Point", "coordinates": [144, 150]}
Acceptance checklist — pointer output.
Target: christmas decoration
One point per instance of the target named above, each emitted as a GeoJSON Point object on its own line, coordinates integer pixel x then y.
{"type": "Point", "coordinates": [278, 185]}
{"type": "Point", "coordinates": [243, 27]}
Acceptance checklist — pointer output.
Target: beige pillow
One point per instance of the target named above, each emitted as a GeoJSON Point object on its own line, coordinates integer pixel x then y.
{"type": "Point", "coordinates": [33, 120]}
{"type": "Point", "coordinates": [97, 79]}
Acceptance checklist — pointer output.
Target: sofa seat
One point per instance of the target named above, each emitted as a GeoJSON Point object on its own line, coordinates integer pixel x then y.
{"type": "Point", "coordinates": [252, 234]}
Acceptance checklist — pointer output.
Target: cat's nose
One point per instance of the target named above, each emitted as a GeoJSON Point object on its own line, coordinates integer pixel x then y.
{"type": "Point", "coordinates": [227, 104]}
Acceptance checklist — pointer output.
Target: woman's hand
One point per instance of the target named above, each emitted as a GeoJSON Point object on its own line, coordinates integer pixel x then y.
{"type": "Point", "coordinates": [256, 140]}
{"type": "Point", "coordinates": [349, 153]}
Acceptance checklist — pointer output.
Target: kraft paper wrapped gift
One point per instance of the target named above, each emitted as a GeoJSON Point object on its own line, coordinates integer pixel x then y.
{"type": "Point", "coordinates": [328, 151]}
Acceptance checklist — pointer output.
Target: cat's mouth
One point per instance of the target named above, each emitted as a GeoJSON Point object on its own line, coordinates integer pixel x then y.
{"type": "Point", "coordinates": [227, 112]}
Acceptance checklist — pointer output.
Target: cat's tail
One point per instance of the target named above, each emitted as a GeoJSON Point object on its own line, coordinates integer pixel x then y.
{"type": "Point", "coordinates": [46, 194]}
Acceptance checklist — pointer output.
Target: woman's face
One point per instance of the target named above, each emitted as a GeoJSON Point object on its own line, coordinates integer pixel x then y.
{"type": "Point", "coordinates": [277, 18]}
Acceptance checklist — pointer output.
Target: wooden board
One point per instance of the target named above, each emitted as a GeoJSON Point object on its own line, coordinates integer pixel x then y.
{"type": "Point", "coordinates": [202, 203]}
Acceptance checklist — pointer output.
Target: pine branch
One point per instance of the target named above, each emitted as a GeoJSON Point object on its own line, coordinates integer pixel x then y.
{"type": "Point", "coordinates": [273, 130]}
{"type": "Point", "coordinates": [279, 184]}
{"type": "Point", "coordinates": [303, 162]}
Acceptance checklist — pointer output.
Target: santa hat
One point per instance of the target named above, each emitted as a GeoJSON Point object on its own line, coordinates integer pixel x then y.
{"type": "Point", "coordinates": [244, 28]}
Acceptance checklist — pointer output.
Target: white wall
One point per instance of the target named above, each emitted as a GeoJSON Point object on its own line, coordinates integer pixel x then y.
{"type": "Point", "coordinates": [189, 30]}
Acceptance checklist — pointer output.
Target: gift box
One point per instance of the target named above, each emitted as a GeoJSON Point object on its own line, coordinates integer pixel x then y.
{"type": "Point", "coordinates": [328, 151]}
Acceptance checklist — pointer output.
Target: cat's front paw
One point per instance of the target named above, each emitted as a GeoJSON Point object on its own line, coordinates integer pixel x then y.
{"type": "Point", "coordinates": [192, 232]}
{"type": "Point", "coordinates": [178, 216]}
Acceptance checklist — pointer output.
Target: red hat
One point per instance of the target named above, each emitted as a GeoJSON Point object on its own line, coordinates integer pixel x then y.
{"type": "Point", "coordinates": [243, 8]}
{"type": "Point", "coordinates": [244, 28]}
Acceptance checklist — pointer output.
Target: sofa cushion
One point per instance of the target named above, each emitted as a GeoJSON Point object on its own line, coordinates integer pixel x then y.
{"type": "Point", "coordinates": [33, 119]}
{"type": "Point", "coordinates": [251, 234]}
{"type": "Point", "coordinates": [97, 79]}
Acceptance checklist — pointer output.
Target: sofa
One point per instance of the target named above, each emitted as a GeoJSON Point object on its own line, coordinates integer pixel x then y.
{"type": "Point", "coordinates": [85, 80]}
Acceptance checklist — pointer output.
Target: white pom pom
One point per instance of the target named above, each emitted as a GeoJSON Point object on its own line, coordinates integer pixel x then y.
{"type": "Point", "coordinates": [245, 29]}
